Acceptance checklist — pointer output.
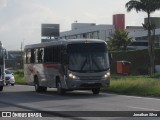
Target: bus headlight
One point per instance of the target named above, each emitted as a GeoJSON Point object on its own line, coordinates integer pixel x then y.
{"type": "Point", "coordinates": [71, 75]}
{"type": "Point", "coordinates": [107, 75]}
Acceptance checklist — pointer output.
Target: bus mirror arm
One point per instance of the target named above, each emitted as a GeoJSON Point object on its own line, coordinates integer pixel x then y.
{"type": "Point", "coordinates": [110, 58]}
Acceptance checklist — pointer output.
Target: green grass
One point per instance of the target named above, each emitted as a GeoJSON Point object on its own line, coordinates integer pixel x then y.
{"type": "Point", "coordinates": [136, 85]}
{"type": "Point", "coordinates": [19, 77]}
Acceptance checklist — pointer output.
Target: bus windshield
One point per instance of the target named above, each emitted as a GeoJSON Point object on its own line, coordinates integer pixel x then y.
{"type": "Point", "coordinates": [88, 57]}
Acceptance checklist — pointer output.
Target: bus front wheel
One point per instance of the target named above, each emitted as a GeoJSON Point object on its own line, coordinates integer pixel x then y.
{"type": "Point", "coordinates": [60, 90]}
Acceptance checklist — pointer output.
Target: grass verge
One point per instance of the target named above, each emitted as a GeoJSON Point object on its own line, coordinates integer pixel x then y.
{"type": "Point", "coordinates": [136, 85]}
{"type": "Point", "coordinates": [19, 77]}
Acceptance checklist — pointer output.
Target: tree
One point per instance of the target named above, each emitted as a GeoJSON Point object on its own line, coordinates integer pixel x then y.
{"type": "Point", "coordinates": [119, 39]}
{"type": "Point", "coordinates": [148, 6]}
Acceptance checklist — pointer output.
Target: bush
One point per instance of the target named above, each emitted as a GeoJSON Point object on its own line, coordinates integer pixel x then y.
{"type": "Point", "coordinates": [139, 60]}
{"type": "Point", "coordinates": [19, 77]}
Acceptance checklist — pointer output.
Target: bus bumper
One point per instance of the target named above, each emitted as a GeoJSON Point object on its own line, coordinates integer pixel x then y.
{"type": "Point", "coordinates": [88, 84]}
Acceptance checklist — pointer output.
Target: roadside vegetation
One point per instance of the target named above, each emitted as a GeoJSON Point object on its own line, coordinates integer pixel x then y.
{"type": "Point", "coordinates": [149, 7]}
{"type": "Point", "coordinates": [136, 85]}
{"type": "Point", "coordinates": [139, 60]}
{"type": "Point", "coordinates": [19, 77]}
{"type": "Point", "coordinates": [119, 40]}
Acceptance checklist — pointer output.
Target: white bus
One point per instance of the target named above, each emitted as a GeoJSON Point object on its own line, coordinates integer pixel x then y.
{"type": "Point", "coordinates": [80, 64]}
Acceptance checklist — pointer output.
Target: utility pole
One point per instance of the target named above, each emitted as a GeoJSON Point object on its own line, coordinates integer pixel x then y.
{"type": "Point", "coordinates": [22, 54]}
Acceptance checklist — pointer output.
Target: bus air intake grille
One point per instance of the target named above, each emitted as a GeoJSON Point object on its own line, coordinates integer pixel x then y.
{"type": "Point", "coordinates": [90, 77]}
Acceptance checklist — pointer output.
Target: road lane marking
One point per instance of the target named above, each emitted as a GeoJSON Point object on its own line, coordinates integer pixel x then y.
{"type": "Point", "coordinates": [42, 94]}
{"type": "Point", "coordinates": [142, 108]}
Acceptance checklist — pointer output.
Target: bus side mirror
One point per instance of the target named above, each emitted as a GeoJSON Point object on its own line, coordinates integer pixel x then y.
{"type": "Point", "coordinates": [65, 59]}
{"type": "Point", "coordinates": [110, 58]}
{"type": "Point", "coordinates": [6, 54]}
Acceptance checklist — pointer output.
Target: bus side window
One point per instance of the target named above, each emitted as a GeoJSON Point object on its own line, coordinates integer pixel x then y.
{"type": "Point", "coordinates": [48, 55]}
{"type": "Point", "coordinates": [110, 58]}
{"type": "Point", "coordinates": [24, 57]}
{"type": "Point", "coordinates": [40, 55]}
{"type": "Point", "coordinates": [28, 56]}
{"type": "Point", "coordinates": [55, 54]}
{"type": "Point", "coordinates": [58, 54]}
{"type": "Point", "coordinates": [32, 59]}
{"type": "Point", "coordinates": [45, 54]}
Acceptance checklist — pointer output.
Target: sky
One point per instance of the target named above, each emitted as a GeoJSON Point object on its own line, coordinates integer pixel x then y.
{"type": "Point", "coordinates": [20, 20]}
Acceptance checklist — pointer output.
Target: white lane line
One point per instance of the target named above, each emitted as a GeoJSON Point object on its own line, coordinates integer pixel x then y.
{"type": "Point", "coordinates": [142, 108]}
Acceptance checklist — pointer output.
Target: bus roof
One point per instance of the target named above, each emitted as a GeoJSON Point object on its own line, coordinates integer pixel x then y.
{"type": "Point", "coordinates": [64, 42]}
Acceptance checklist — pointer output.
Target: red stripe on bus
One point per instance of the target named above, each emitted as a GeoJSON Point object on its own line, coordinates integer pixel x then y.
{"type": "Point", "coordinates": [50, 66]}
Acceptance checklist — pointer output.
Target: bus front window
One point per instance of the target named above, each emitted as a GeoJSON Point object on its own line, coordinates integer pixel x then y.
{"type": "Point", "coordinates": [88, 59]}
{"type": "Point", "coordinates": [88, 62]}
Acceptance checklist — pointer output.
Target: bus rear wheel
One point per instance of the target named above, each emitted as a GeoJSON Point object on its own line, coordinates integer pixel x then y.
{"type": "Point", "coordinates": [96, 90]}
{"type": "Point", "coordinates": [36, 85]}
{"type": "Point", "coordinates": [60, 90]}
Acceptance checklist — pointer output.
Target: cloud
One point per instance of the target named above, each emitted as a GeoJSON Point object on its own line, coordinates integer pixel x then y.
{"type": "Point", "coordinates": [25, 24]}
{"type": "Point", "coordinates": [21, 19]}
{"type": "Point", "coordinates": [3, 4]}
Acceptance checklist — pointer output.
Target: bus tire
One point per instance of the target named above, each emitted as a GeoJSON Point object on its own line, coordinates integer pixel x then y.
{"type": "Point", "coordinates": [96, 90]}
{"type": "Point", "coordinates": [60, 90]}
{"type": "Point", "coordinates": [36, 85]}
{"type": "Point", "coordinates": [1, 88]}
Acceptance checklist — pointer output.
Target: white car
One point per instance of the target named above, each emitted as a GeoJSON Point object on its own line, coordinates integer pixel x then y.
{"type": "Point", "coordinates": [9, 78]}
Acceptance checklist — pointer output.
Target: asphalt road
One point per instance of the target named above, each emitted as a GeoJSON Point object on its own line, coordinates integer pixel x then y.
{"type": "Point", "coordinates": [24, 98]}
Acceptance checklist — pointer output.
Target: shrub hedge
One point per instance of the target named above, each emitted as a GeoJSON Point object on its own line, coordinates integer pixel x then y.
{"type": "Point", "coordinates": [139, 60]}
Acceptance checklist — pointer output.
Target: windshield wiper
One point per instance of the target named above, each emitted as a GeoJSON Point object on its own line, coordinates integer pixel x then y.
{"type": "Point", "coordinates": [84, 63]}
{"type": "Point", "coordinates": [98, 67]}
{"type": "Point", "coordinates": [92, 71]}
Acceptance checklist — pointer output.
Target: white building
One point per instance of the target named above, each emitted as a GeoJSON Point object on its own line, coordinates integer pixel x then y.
{"type": "Point", "coordinates": [141, 35]}
{"type": "Point", "coordinates": [141, 38]}
{"type": "Point", "coordinates": [88, 30]}
{"type": "Point", "coordinates": [103, 31]}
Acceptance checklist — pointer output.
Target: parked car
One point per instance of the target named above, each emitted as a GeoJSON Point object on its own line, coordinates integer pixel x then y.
{"type": "Point", "coordinates": [9, 78]}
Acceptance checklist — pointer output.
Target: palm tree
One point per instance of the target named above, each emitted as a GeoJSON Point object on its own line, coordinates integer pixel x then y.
{"type": "Point", "coordinates": [148, 6]}
{"type": "Point", "coordinates": [119, 39]}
